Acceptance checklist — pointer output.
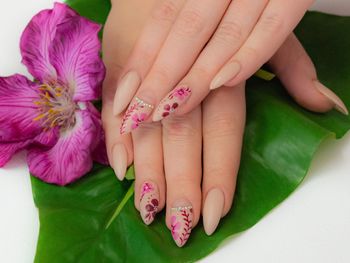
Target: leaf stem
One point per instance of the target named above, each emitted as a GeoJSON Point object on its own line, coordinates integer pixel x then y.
{"type": "Point", "coordinates": [265, 75]}
{"type": "Point", "coordinates": [119, 208]}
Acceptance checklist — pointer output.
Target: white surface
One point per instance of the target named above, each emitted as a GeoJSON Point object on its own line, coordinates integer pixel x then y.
{"type": "Point", "coordinates": [313, 225]}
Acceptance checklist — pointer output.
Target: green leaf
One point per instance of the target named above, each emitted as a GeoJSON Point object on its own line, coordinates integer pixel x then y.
{"type": "Point", "coordinates": [280, 141]}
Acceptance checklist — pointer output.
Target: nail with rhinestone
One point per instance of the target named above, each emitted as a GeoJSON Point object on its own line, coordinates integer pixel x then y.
{"type": "Point", "coordinates": [171, 102]}
{"type": "Point", "coordinates": [149, 202]}
{"type": "Point", "coordinates": [137, 112]}
{"type": "Point", "coordinates": [181, 220]}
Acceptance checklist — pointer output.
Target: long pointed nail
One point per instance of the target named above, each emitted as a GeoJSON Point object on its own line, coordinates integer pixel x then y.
{"type": "Point", "coordinates": [212, 210]}
{"type": "Point", "coordinates": [338, 103]}
{"type": "Point", "coordinates": [125, 91]}
{"type": "Point", "coordinates": [181, 222]}
{"type": "Point", "coordinates": [138, 112]}
{"type": "Point", "coordinates": [171, 102]}
{"type": "Point", "coordinates": [120, 160]}
{"type": "Point", "coordinates": [149, 202]}
{"type": "Point", "coordinates": [227, 73]}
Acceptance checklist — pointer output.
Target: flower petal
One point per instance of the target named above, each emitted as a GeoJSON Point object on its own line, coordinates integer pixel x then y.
{"type": "Point", "coordinates": [70, 158]}
{"type": "Point", "coordinates": [17, 109]}
{"type": "Point", "coordinates": [75, 55]}
{"type": "Point", "coordinates": [8, 149]}
{"type": "Point", "coordinates": [37, 37]}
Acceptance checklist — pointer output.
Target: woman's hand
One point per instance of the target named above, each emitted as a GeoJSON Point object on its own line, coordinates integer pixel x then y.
{"type": "Point", "coordinates": [167, 155]}
{"type": "Point", "coordinates": [186, 47]}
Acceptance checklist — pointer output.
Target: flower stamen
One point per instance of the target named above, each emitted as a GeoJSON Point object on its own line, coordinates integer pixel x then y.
{"type": "Point", "coordinates": [56, 107]}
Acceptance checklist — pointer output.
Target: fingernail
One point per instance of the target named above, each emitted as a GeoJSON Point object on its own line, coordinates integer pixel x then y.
{"type": "Point", "coordinates": [171, 102]}
{"type": "Point", "coordinates": [227, 73]}
{"type": "Point", "coordinates": [120, 160]}
{"type": "Point", "coordinates": [338, 103]}
{"type": "Point", "coordinates": [149, 202]}
{"type": "Point", "coordinates": [181, 222]}
{"type": "Point", "coordinates": [212, 210]}
{"type": "Point", "coordinates": [126, 89]}
{"type": "Point", "coordinates": [138, 112]}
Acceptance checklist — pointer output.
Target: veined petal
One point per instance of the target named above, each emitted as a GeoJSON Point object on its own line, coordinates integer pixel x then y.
{"type": "Point", "coordinates": [75, 55]}
{"type": "Point", "coordinates": [8, 149]}
{"type": "Point", "coordinates": [17, 109]}
{"type": "Point", "coordinates": [37, 37]}
{"type": "Point", "coordinates": [70, 158]}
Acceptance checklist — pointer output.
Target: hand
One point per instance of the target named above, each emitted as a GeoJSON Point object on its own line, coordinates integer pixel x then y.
{"type": "Point", "coordinates": [185, 44]}
{"type": "Point", "coordinates": [175, 145]}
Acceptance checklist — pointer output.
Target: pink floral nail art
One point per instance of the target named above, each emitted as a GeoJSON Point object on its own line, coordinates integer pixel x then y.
{"type": "Point", "coordinates": [171, 102]}
{"type": "Point", "coordinates": [138, 112]}
{"type": "Point", "coordinates": [149, 202]}
{"type": "Point", "coordinates": [181, 224]}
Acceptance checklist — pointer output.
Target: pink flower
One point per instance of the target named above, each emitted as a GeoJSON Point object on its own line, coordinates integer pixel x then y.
{"type": "Point", "coordinates": [175, 227]}
{"type": "Point", "coordinates": [52, 117]}
{"type": "Point", "coordinates": [137, 119]}
{"type": "Point", "coordinates": [181, 93]}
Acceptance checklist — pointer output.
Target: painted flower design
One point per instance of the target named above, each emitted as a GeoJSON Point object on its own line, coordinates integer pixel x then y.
{"type": "Point", "coordinates": [175, 227]}
{"type": "Point", "coordinates": [151, 209]}
{"type": "Point", "coordinates": [137, 119]}
{"type": "Point", "coordinates": [53, 117]}
{"type": "Point", "coordinates": [181, 93]}
{"type": "Point", "coordinates": [146, 188]}
{"type": "Point", "coordinates": [168, 109]}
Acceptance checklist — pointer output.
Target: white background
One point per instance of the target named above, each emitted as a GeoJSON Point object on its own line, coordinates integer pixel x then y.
{"type": "Point", "coordinates": [313, 225]}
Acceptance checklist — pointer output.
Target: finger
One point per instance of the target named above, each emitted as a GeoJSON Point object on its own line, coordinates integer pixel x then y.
{"type": "Point", "coordinates": [223, 128]}
{"type": "Point", "coordinates": [195, 24]}
{"type": "Point", "coordinates": [149, 179]}
{"type": "Point", "coordinates": [275, 24]}
{"type": "Point", "coordinates": [238, 22]}
{"type": "Point", "coordinates": [182, 145]}
{"type": "Point", "coordinates": [161, 17]}
{"type": "Point", "coordinates": [298, 74]}
{"type": "Point", "coordinates": [119, 148]}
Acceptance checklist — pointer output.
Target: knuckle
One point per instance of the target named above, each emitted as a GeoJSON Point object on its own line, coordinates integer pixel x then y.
{"type": "Point", "coordinates": [220, 126]}
{"type": "Point", "coordinates": [179, 128]}
{"type": "Point", "coordinates": [251, 53]}
{"type": "Point", "coordinates": [160, 74]}
{"type": "Point", "coordinates": [272, 23]}
{"type": "Point", "coordinates": [167, 11]}
{"type": "Point", "coordinates": [229, 32]}
{"type": "Point", "coordinates": [190, 23]}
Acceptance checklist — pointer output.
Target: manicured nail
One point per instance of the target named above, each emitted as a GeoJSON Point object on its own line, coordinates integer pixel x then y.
{"type": "Point", "coordinates": [126, 89]}
{"type": "Point", "coordinates": [227, 73]}
{"type": "Point", "coordinates": [120, 160]}
{"type": "Point", "coordinates": [138, 112]}
{"type": "Point", "coordinates": [149, 202]}
{"type": "Point", "coordinates": [338, 103]}
{"type": "Point", "coordinates": [171, 102]}
{"type": "Point", "coordinates": [181, 222]}
{"type": "Point", "coordinates": [212, 210]}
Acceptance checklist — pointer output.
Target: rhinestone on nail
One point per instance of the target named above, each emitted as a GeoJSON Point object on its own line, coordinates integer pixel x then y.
{"type": "Point", "coordinates": [143, 103]}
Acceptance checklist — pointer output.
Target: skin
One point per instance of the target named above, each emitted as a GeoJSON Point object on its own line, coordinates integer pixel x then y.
{"type": "Point", "coordinates": [169, 153]}
{"type": "Point", "coordinates": [210, 36]}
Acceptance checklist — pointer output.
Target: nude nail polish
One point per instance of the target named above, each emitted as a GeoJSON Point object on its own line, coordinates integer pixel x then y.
{"type": "Point", "coordinates": [138, 112]}
{"type": "Point", "coordinates": [212, 210]}
{"type": "Point", "coordinates": [171, 102]}
{"type": "Point", "coordinates": [181, 220]}
{"type": "Point", "coordinates": [125, 91]}
{"type": "Point", "coordinates": [227, 73]}
{"type": "Point", "coordinates": [120, 160]}
{"type": "Point", "coordinates": [329, 94]}
{"type": "Point", "coordinates": [149, 202]}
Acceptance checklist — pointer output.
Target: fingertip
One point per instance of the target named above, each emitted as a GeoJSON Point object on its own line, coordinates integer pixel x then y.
{"type": "Point", "coordinates": [119, 160]}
